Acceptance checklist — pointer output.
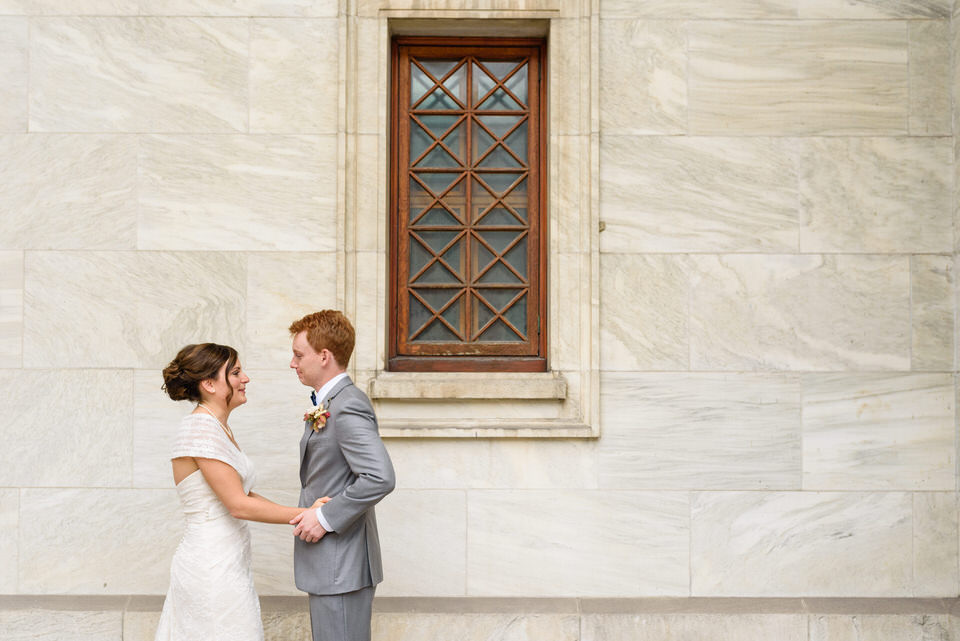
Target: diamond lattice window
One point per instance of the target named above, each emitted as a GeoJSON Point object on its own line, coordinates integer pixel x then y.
{"type": "Point", "coordinates": [467, 242]}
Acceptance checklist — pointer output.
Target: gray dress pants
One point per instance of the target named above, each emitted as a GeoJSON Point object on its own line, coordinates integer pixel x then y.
{"type": "Point", "coordinates": [342, 617]}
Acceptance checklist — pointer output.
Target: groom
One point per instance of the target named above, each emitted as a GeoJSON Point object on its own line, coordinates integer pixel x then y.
{"type": "Point", "coordinates": [337, 554]}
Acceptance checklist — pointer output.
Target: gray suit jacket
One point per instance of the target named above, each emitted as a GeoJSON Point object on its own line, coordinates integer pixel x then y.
{"type": "Point", "coordinates": [345, 460]}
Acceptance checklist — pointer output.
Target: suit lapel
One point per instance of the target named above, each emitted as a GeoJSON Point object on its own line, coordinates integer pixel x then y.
{"type": "Point", "coordinates": [308, 431]}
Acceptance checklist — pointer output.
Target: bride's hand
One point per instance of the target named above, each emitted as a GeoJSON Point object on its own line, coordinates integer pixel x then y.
{"type": "Point", "coordinates": [320, 501]}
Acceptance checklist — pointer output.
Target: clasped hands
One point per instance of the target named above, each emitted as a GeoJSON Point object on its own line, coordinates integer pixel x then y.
{"type": "Point", "coordinates": [308, 529]}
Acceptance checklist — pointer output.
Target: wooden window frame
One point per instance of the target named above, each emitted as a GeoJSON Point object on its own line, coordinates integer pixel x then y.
{"type": "Point", "coordinates": [503, 357]}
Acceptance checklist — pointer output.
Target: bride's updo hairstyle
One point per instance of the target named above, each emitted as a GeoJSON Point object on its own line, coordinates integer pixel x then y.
{"type": "Point", "coordinates": [193, 364]}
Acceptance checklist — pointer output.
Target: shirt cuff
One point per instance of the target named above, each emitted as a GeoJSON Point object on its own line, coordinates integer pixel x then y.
{"type": "Point", "coordinates": [323, 521]}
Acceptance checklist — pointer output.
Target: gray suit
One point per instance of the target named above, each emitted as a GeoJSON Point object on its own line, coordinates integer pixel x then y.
{"type": "Point", "coordinates": [345, 460]}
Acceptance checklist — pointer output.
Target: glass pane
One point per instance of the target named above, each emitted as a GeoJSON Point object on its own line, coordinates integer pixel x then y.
{"type": "Point", "coordinates": [457, 83]}
{"type": "Point", "coordinates": [439, 158]}
{"type": "Point", "coordinates": [499, 240]}
{"type": "Point", "coordinates": [498, 298]}
{"type": "Point", "coordinates": [420, 83]}
{"type": "Point", "coordinates": [419, 257]}
{"type": "Point", "coordinates": [418, 315]}
{"type": "Point", "coordinates": [481, 83]}
{"type": "Point", "coordinates": [456, 258]}
{"type": "Point", "coordinates": [452, 315]}
{"type": "Point", "coordinates": [517, 256]}
{"type": "Point", "coordinates": [481, 142]}
{"type": "Point", "coordinates": [437, 333]}
{"type": "Point", "coordinates": [500, 125]}
{"type": "Point", "coordinates": [517, 141]}
{"type": "Point", "coordinates": [438, 123]}
{"type": "Point", "coordinates": [419, 199]}
{"type": "Point", "coordinates": [437, 274]}
{"type": "Point", "coordinates": [438, 100]}
{"type": "Point", "coordinates": [499, 333]}
{"type": "Point", "coordinates": [499, 158]}
{"type": "Point", "coordinates": [498, 217]}
{"type": "Point", "coordinates": [437, 182]}
{"type": "Point", "coordinates": [518, 84]}
{"type": "Point", "coordinates": [481, 257]}
{"type": "Point", "coordinates": [501, 181]}
{"type": "Point", "coordinates": [437, 298]}
{"type": "Point", "coordinates": [482, 314]}
{"type": "Point", "coordinates": [438, 68]}
{"type": "Point", "coordinates": [500, 68]}
{"type": "Point", "coordinates": [437, 240]}
{"type": "Point", "coordinates": [420, 140]}
{"type": "Point", "coordinates": [517, 314]}
{"type": "Point", "coordinates": [499, 101]}
{"type": "Point", "coordinates": [498, 275]}
{"type": "Point", "coordinates": [481, 199]}
{"type": "Point", "coordinates": [456, 141]}
{"type": "Point", "coordinates": [436, 217]}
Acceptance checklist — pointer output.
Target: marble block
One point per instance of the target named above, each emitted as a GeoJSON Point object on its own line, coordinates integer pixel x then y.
{"type": "Point", "coordinates": [258, 8]}
{"type": "Point", "coordinates": [68, 191]}
{"type": "Point", "coordinates": [532, 548]}
{"type": "Point", "coordinates": [697, 194]}
{"type": "Point", "coordinates": [880, 627]}
{"type": "Point", "coordinates": [930, 101]}
{"type": "Point", "coordinates": [148, 306]}
{"type": "Point", "coordinates": [699, 431]}
{"type": "Point", "coordinates": [13, 74]}
{"type": "Point", "coordinates": [878, 432]}
{"type": "Point", "coordinates": [808, 312]}
{"type": "Point", "coordinates": [440, 464]}
{"type": "Point", "coordinates": [423, 538]}
{"type": "Point", "coordinates": [643, 77]}
{"type": "Point", "coordinates": [137, 74]}
{"type": "Point", "coordinates": [121, 541]}
{"type": "Point", "coordinates": [687, 627]}
{"type": "Point", "coordinates": [11, 308]}
{"type": "Point", "coordinates": [873, 9]}
{"type": "Point", "coordinates": [294, 70]}
{"type": "Point", "coordinates": [798, 78]}
{"type": "Point", "coordinates": [698, 9]}
{"type": "Point", "coordinates": [875, 195]}
{"type": "Point", "coordinates": [71, 8]}
{"type": "Point", "coordinates": [416, 626]}
{"type": "Point", "coordinates": [932, 300]}
{"type": "Point", "coordinates": [277, 296]}
{"type": "Point", "coordinates": [935, 554]}
{"type": "Point", "coordinates": [644, 315]}
{"type": "Point", "coordinates": [94, 446]}
{"type": "Point", "coordinates": [140, 626]}
{"type": "Point", "coordinates": [9, 529]}
{"type": "Point", "coordinates": [238, 193]}
{"type": "Point", "coordinates": [542, 464]}
{"type": "Point", "coordinates": [780, 544]}
{"type": "Point", "coordinates": [50, 625]}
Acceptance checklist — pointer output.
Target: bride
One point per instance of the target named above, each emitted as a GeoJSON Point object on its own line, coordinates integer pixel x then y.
{"type": "Point", "coordinates": [211, 595]}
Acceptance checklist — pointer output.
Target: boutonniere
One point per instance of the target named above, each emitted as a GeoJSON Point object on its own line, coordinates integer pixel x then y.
{"type": "Point", "coordinates": [317, 417]}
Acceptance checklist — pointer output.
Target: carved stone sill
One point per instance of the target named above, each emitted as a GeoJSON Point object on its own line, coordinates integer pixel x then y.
{"type": "Point", "coordinates": [464, 385]}
{"type": "Point", "coordinates": [484, 429]}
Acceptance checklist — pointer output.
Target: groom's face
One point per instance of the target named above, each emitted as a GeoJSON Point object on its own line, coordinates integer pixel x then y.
{"type": "Point", "coordinates": [306, 361]}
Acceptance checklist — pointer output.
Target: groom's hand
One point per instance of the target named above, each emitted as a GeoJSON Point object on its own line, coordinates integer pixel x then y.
{"type": "Point", "coordinates": [308, 528]}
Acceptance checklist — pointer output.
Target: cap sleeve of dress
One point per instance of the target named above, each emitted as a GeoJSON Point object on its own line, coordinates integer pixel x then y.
{"type": "Point", "coordinates": [202, 436]}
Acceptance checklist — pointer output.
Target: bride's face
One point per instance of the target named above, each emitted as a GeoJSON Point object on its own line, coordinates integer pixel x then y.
{"type": "Point", "coordinates": [237, 379]}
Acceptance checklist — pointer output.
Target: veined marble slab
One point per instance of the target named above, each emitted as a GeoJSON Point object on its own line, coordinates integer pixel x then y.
{"type": "Point", "coordinates": [232, 193]}
{"type": "Point", "coordinates": [882, 627]}
{"type": "Point", "coordinates": [391, 626]}
{"type": "Point", "coordinates": [68, 191]}
{"type": "Point", "coordinates": [13, 74]}
{"type": "Point", "coordinates": [425, 554]}
{"type": "Point", "coordinates": [881, 195]}
{"type": "Point", "coordinates": [45, 625]}
{"type": "Point", "coordinates": [644, 315]}
{"type": "Point", "coordinates": [699, 431]}
{"type": "Point", "coordinates": [778, 544]}
{"type": "Point", "coordinates": [698, 9]}
{"type": "Point", "coordinates": [873, 9]}
{"type": "Point", "coordinates": [878, 432]}
{"type": "Point", "coordinates": [268, 428]}
{"type": "Point", "coordinates": [70, 7]}
{"type": "Point", "coordinates": [272, 548]}
{"type": "Point", "coordinates": [266, 8]}
{"type": "Point", "coordinates": [930, 101]}
{"type": "Point", "coordinates": [294, 72]}
{"type": "Point", "coordinates": [108, 531]}
{"type": "Point", "coordinates": [98, 450]}
{"type": "Point", "coordinates": [810, 312]}
{"type": "Point", "coordinates": [643, 77]}
{"type": "Point", "coordinates": [696, 194]}
{"type": "Point", "coordinates": [139, 74]}
{"type": "Point", "coordinates": [11, 308]}
{"type": "Point", "coordinates": [149, 305]}
{"type": "Point", "coordinates": [9, 530]}
{"type": "Point", "coordinates": [282, 287]}
{"type": "Point", "coordinates": [684, 627]}
{"type": "Point", "coordinates": [932, 299]}
{"type": "Point", "coordinates": [782, 78]}
{"type": "Point", "coordinates": [935, 553]}
{"type": "Point", "coordinates": [619, 544]}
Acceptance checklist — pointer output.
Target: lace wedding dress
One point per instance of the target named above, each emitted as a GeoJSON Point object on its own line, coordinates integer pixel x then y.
{"type": "Point", "coordinates": [211, 595]}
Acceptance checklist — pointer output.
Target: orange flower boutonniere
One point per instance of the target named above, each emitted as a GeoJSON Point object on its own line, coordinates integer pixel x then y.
{"type": "Point", "coordinates": [317, 417]}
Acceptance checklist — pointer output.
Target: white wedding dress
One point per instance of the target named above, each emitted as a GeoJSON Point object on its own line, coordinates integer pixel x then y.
{"type": "Point", "coordinates": [211, 595]}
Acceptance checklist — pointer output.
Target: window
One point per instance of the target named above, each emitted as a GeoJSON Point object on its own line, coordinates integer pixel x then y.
{"type": "Point", "coordinates": [467, 233]}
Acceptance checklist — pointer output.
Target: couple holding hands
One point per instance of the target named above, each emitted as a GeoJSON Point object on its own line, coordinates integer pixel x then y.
{"type": "Point", "coordinates": [344, 471]}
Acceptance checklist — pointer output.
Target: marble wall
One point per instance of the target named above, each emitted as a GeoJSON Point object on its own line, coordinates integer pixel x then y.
{"type": "Point", "coordinates": [778, 186]}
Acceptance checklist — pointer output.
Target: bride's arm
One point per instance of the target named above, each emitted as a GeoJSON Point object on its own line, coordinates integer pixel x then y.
{"type": "Point", "coordinates": [226, 484]}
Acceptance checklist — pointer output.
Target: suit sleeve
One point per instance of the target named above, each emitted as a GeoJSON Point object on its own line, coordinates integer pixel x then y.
{"type": "Point", "coordinates": [364, 452]}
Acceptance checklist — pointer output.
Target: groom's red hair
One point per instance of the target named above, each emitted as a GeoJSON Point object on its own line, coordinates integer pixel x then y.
{"type": "Point", "coordinates": [328, 329]}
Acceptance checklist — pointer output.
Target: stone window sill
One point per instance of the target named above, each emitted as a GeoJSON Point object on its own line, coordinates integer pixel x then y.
{"type": "Point", "coordinates": [468, 385]}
